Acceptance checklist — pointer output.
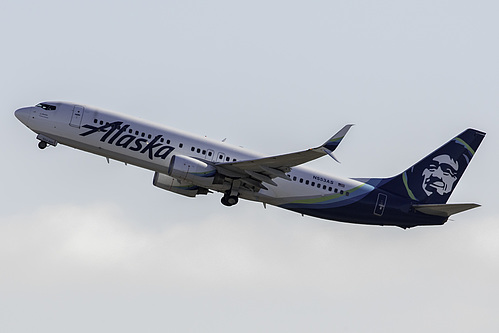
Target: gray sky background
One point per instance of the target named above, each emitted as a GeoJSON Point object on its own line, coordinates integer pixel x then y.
{"type": "Point", "coordinates": [87, 246]}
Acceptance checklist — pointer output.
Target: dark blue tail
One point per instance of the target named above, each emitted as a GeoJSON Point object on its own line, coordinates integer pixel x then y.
{"type": "Point", "coordinates": [432, 180]}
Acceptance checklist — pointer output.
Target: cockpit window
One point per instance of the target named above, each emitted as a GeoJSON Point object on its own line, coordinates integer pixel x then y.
{"type": "Point", "coordinates": [45, 106]}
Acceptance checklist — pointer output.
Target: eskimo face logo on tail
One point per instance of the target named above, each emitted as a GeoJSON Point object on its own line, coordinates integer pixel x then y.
{"type": "Point", "coordinates": [440, 175]}
{"type": "Point", "coordinates": [433, 179]}
{"type": "Point", "coordinates": [114, 133]}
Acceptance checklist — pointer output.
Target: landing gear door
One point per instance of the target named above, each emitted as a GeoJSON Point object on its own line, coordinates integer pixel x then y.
{"type": "Point", "coordinates": [380, 204]}
{"type": "Point", "coordinates": [77, 116]}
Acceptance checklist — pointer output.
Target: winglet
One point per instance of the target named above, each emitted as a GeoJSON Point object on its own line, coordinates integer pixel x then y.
{"type": "Point", "coordinates": [335, 140]}
{"type": "Point", "coordinates": [327, 151]}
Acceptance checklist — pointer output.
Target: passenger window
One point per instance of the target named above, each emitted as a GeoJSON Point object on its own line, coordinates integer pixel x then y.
{"type": "Point", "coordinates": [330, 188]}
{"type": "Point", "coordinates": [301, 180]}
{"type": "Point", "coordinates": [136, 132]}
{"type": "Point", "coordinates": [313, 184]}
{"type": "Point", "coordinates": [307, 182]}
{"type": "Point", "coordinates": [180, 145]}
{"type": "Point", "coordinates": [192, 148]}
{"type": "Point", "coordinates": [210, 153]}
{"type": "Point", "coordinates": [294, 178]}
{"type": "Point", "coordinates": [227, 159]}
{"type": "Point", "coordinates": [168, 142]}
{"type": "Point", "coordinates": [149, 136]}
{"type": "Point", "coordinates": [198, 150]}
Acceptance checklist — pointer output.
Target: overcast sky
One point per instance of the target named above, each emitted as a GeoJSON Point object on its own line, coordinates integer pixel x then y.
{"type": "Point", "coordinates": [90, 246]}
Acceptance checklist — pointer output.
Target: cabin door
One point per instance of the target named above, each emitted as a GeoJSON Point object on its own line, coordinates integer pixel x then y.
{"type": "Point", "coordinates": [77, 116]}
{"type": "Point", "coordinates": [380, 204]}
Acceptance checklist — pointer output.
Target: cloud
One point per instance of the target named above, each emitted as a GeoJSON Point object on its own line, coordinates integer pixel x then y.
{"type": "Point", "coordinates": [244, 263]}
{"type": "Point", "coordinates": [100, 247]}
{"type": "Point", "coordinates": [242, 269]}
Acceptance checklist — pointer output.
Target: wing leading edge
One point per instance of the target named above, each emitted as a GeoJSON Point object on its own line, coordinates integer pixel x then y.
{"type": "Point", "coordinates": [256, 171]}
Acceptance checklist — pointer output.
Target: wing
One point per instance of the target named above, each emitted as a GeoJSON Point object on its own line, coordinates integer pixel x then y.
{"type": "Point", "coordinates": [254, 172]}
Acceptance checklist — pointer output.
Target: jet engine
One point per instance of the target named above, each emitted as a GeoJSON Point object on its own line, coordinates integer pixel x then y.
{"type": "Point", "coordinates": [186, 168]}
{"type": "Point", "coordinates": [178, 186]}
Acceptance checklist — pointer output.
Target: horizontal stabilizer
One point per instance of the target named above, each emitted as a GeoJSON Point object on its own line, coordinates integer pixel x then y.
{"type": "Point", "coordinates": [444, 210]}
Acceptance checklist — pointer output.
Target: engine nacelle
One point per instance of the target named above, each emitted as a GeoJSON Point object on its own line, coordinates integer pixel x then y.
{"type": "Point", "coordinates": [192, 170]}
{"type": "Point", "coordinates": [178, 186]}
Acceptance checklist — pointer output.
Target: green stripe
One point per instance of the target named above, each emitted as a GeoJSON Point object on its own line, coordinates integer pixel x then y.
{"type": "Point", "coordinates": [466, 145]}
{"type": "Point", "coordinates": [316, 200]}
{"type": "Point", "coordinates": [335, 139]}
{"type": "Point", "coordinates": [411, 195]}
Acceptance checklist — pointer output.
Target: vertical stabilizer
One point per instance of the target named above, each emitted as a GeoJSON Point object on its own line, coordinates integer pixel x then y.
{"type": "Point", "coordinates": [432, 180]}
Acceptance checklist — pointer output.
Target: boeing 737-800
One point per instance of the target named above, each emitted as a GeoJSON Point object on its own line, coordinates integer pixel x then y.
{"type": "Point", "coordinates": [192, 165]}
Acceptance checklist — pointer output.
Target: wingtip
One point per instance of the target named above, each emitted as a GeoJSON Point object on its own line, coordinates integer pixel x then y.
{"type": "Point", "coordinates": [335, 140]}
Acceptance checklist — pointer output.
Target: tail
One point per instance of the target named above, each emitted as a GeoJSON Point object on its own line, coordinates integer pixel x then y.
{"type": "Point", "coordinates": [432, 180]}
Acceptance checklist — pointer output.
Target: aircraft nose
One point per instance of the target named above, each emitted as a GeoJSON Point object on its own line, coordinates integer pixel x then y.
{"type": "Point", "coordinates": [22, 114]}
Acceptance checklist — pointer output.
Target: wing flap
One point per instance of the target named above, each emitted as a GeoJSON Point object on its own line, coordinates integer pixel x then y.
{"type": "Point", "coordinates": [274, 173]}
{"type": "Point", "coordinates": [261, 177]}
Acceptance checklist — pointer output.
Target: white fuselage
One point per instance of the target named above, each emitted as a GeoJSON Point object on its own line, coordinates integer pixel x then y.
{"type": "Point", "coordinates": [192, 165]}
{"type": "Point", "coordinates": [150, 146]}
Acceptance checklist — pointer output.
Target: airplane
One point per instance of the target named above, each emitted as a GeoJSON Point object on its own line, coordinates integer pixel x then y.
{"type": "Point", "coordinates": [192, 165]}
